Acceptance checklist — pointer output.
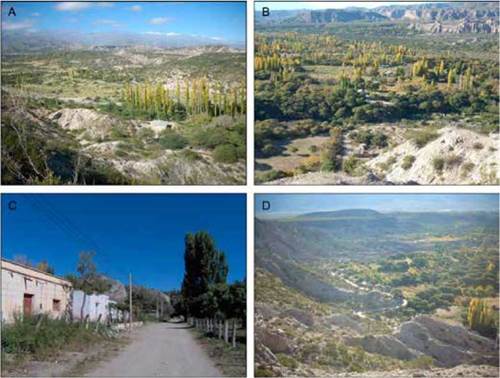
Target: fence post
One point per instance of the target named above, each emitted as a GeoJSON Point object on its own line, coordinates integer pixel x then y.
{"type": "Point", "coordinates": [219, 327]}
{"type": "Point", "coordinates": [98, 323]}
{"type": "Point", "coordinates": [234, 333]}
{"type": "Point", "coordinates": [226, 331]}
{"type": "Point", "coordinates": [38, 324]}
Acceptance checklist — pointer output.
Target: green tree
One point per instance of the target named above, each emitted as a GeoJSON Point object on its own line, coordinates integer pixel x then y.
{"type": "Point", "coordinates": [45, 267]}
{"type": "Point", "coordinates": [204, 266]}
{"type": "Point", "coordinates": [238, 300]}
{"type": "Point", "coordinates": [481, 318]}
{"type": "Point", "coordinates": [88, 279]}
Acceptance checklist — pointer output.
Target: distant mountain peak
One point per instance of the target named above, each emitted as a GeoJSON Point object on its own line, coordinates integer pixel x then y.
{"type": "Point", "coordinates": [341, 213]}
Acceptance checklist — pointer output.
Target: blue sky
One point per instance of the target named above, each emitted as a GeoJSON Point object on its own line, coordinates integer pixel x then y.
{"type": "Point", "coordinates": [283, 204]}
{"type": "Point", "coordinates": [284, 5]}
{"type": "Point", "coordinates": [142, 234]}
{"type": "Point", "coordinates": [218, 20]}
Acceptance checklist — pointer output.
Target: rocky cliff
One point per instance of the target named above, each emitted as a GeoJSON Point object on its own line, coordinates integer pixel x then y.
{"type": "Point", "coordinates": [430, 18]}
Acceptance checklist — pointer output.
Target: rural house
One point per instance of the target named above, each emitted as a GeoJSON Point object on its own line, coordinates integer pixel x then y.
{"type": "Point", "coordinates": [27, 290]}
{"type": "Point", "coordinates": [94, 307]}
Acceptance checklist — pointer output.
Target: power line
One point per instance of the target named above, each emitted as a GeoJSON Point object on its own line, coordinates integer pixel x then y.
{"type": "Point", "coordinates": [41, 204]}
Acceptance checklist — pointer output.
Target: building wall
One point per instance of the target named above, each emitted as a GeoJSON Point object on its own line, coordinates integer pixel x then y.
{"type": "Point", "coordinates": [18, 280]}
{"type": "Point", "coordinates": [93, 306]}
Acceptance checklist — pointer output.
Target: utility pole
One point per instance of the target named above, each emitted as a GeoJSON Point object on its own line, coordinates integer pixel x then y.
{"type": "Point", "coordinates": [161, 308]}
{"type": "Point", "coordinates": [157, 307]}
{"type": "Point", "coordinates": [130, 301]}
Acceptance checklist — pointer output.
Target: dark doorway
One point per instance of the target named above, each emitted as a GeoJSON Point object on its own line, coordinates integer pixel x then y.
{"type": "Point", "coordinates": [56, 305]}
{"type": "Point", "coordinates": [27, 304]}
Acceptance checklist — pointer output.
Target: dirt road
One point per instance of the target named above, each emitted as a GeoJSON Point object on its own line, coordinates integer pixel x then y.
{"type": "Point", "coordinates": [159, 350]}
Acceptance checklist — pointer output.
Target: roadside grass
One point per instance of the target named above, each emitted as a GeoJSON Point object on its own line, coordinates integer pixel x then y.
{"type": "Point", "coordinates": [105, 350]}
{"type": "Point", "coordinates": [41, 338]}
{"type": "Point", "coordinates": [231, 361]}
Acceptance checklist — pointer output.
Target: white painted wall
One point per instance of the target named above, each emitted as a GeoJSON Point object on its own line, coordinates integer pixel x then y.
{"type": "Point", "coordinates": [91, 305]}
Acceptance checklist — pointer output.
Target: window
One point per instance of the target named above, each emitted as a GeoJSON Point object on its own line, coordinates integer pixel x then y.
{"type": "Point", "coordinates": [56, 305]}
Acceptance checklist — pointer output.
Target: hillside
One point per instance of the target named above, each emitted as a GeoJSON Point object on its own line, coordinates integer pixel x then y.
{"type": "Point", "coordinates": [124, 114]}
{"type": "Point", "coordinates": [358, 292]}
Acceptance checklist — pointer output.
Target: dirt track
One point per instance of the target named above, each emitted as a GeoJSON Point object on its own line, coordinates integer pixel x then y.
{"type": "Point", "coordinates": [159, 350]}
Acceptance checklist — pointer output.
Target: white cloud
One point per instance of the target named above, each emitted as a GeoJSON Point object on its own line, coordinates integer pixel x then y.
{"type": "Point", "coordinates": [169, 34]}
{"type": "Point", "coordinates": [17, 25]}
{"type": "Point", "coordinates": [217, 38]}
{"type": "Point", "coordinates": [136, 8]}
{"type": "Point", "coordinates": [112, 23]}
{"type": "Point", "coordinates": [105, 4]}
{"type": "Point", "coordinates": [71, 6]}
{"type": "Point", "coordinates": [159, 20]}
{"type": "Point", "coordinates": [36, 14]}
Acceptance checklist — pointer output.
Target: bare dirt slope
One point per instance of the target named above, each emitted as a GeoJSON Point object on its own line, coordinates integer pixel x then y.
{"type": "Point", "coordinates": [466, 158]}
{"type": "Point", "coordinates": [159, 350]}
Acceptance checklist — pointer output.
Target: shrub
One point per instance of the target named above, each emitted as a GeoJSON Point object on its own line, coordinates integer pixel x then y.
{"type": "Point", "coordinates": [350, 165]}
{"type": "Point", "coordinates": [269, 150]}
{"type": "Point", "coordinates": [390, 162]}
{"type": "Point", "coordinates": [379, 140]}
{"type": "Point", "coordinates": [226, 153]}
{"type": "Point", "coordinates": [467, 168]}
{"type": "Point", "coordinates": [311, 163]}
{"type": "Point", "coordinates": [287, 361]}
{"type": "Point", "coordinates": [118, 132]}
{"type": "Point", "coordinates": [422, 137]}
{"type": "Point", "coordinates": [478, 146]}
{"type": "Point", "coordinates": [423, 362]}
{"type": "Point", "coordinates": [191, 155]}
{"type": "Point", "coordinates": [313, 149]}
{"type": "Point", "coordinates": [452, 160]}
{"type": "Point", "coordinates": [270, 176]}
{"type": "Point", "coordinates": [147, 135]}
{"type": "Point", "coordinates": [438, 164]}
{"type": "Point", "coordinates": [263, 372]}
{"type": "Point", "coordinates": [172, 140]}
{"type": "Point", "coordinates": [369, 138]}
{"type": "Point", "coordinates": [408, 161]}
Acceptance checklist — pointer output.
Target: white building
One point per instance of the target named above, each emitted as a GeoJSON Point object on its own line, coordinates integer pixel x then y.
{"type": "Point", "coordinates": [93, 307]}
{"type": "Point", "coordinates": [29, 291]}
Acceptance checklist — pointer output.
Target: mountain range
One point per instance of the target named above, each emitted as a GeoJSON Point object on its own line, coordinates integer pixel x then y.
{"type": "Point", "coordinates": [22, 40]}
{"type": "Point", "coordinates": [456, 17]}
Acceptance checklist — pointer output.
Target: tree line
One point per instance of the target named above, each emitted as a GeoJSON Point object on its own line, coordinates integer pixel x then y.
{"type": "Point", "coordinates": [187, 98]}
